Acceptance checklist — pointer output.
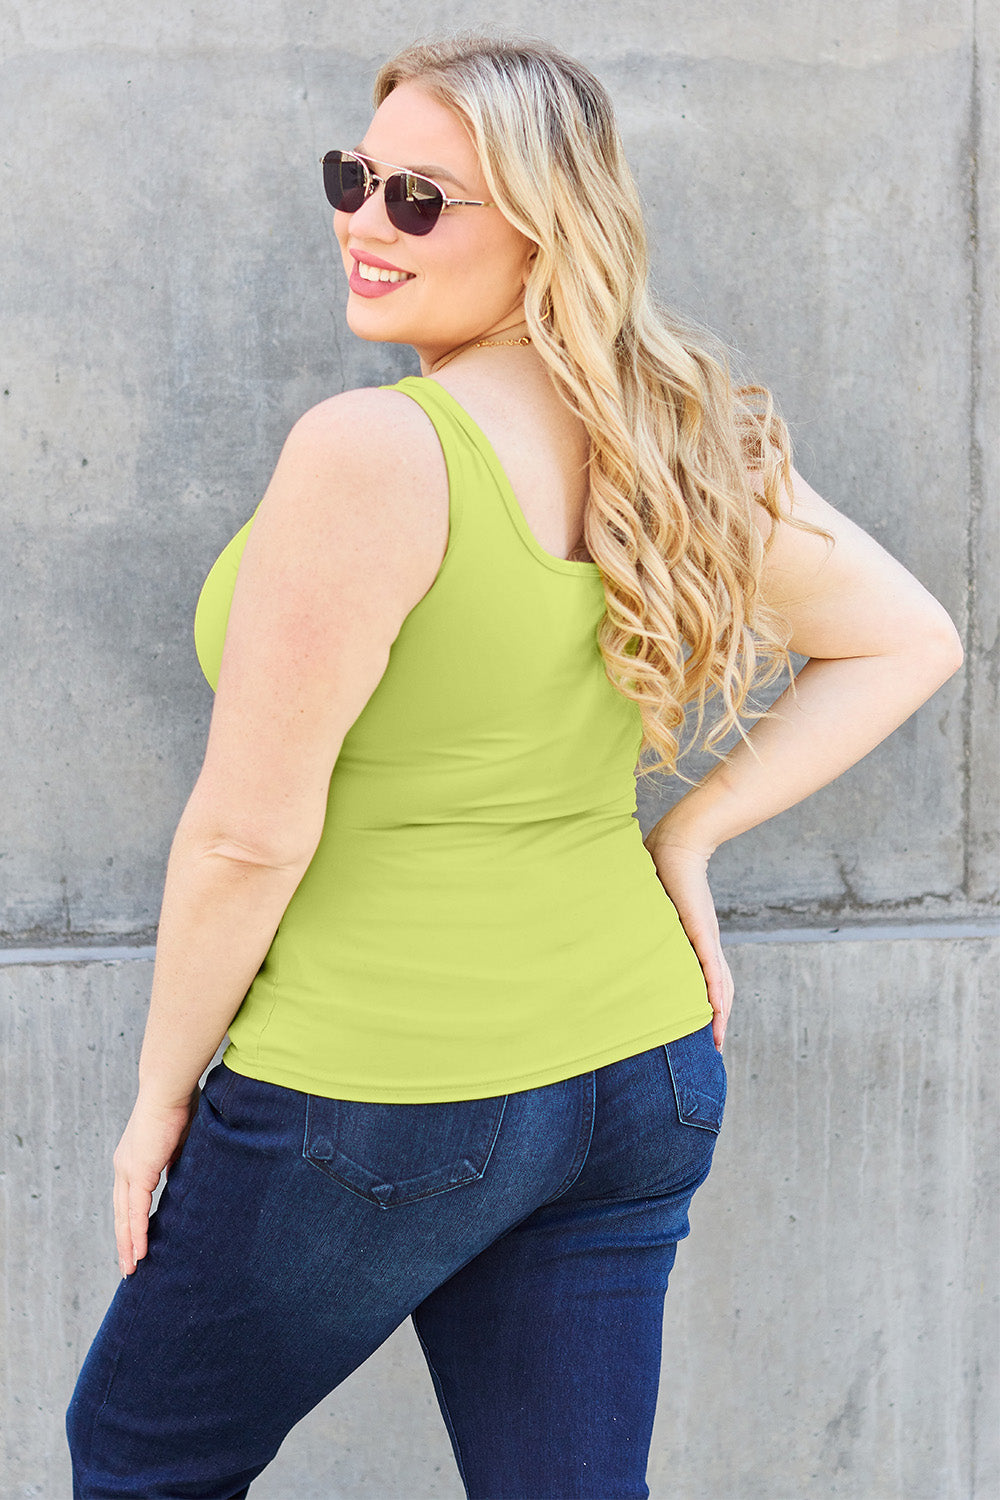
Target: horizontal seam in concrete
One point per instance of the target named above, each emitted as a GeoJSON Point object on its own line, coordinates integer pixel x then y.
{"type": "Point", "coordinates": [887, 933]}
{"type": "Point", "coordinates": [10, 956]}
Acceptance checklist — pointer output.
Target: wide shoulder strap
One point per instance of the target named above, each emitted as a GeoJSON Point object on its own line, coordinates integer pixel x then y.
{"type": "Point", "coordinates": [450, 421]}
{"type": "Point", "coordinates": [471, 456]}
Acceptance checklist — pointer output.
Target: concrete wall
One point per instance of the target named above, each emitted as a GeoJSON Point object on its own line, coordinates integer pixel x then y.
{"type": "Point", "coordinates": [821, 189]}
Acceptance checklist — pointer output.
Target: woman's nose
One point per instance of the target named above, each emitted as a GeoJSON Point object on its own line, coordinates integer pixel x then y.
{"type": "Point", "coordinates": [371, 218]}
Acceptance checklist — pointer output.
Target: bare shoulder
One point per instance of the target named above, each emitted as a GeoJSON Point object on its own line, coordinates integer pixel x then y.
{"type": "Point", "coordinates": [372, 453]}
{"type": "Point", "coordinates": [368, 430]}
{"type": "Point", "coordinates": [361, 476]}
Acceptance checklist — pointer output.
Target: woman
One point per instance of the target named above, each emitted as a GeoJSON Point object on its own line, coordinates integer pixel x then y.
{"type": "Point", "coordinates": [474, 1072]}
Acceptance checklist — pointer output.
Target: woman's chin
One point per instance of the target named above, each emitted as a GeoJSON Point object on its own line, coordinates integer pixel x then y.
{"type": "Point", "coordinates": [375, 330]}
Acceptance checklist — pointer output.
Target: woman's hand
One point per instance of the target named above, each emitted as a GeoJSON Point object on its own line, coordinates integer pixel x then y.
{"type": "Point", "coordinates": [151, 1140]}
{"type": "Point", "coordinates": [683, 871]}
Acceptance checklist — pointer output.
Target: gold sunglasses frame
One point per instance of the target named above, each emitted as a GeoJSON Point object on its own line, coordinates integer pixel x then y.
{"type": "Point", "coordinates": [377, 181]}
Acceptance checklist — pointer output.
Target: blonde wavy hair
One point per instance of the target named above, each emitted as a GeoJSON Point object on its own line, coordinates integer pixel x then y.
{"type": "Point", "coordinates": [670, 514]}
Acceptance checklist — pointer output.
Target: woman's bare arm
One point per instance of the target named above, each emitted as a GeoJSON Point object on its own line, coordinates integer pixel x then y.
{"type": "Point", "coordinates": [343, 546]}
{"type": "Point", "coordinates": [879, 645]}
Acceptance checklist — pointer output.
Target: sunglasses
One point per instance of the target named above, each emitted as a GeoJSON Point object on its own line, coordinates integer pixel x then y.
{"type": "Point", "coordinates": [413, 203]}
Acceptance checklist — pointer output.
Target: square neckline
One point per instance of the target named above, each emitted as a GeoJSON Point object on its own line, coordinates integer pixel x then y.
{"type": "Point", "coordinates": [571, 566]}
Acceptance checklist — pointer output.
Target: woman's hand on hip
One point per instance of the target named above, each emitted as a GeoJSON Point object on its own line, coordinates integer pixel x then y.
{"type": "Point", "coordinates": [683, 872]}
{"type": "Point", "coordinates": [151, 1141]}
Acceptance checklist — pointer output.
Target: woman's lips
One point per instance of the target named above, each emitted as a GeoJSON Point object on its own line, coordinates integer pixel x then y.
{"type": "Point", "coordinates": [372, 288]}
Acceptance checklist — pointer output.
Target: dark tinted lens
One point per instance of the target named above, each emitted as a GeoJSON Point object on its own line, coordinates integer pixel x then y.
{"type": "Point", "coordinates": [412, 203]}
{"type": "Point", "coordinates": [344, 181]}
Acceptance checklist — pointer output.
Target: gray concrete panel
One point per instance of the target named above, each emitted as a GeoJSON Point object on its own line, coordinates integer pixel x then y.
{"type": "Point", "coordinates": [821, 244]}
{"type": "Point", "coordinates": [172, 302]}
{"type": "Point", "coordinates": [984, 537]}
{"type": "Point", "coordinates": [831, 1328]}
{"type": "Point", "coordinates": [763, 32]}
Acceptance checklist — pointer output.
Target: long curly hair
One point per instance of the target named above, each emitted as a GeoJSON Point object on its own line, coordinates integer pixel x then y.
{"type": "Point", "coordinates": [670, 512]}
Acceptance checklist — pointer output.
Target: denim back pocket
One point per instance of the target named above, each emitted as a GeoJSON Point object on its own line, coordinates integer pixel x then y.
{"type": "Point", "coordinates": [398, 1153]}
{"type": "Point", "coordinates": [218, 1082]}
{"type": "Point", "coordinates": [699, 1078]}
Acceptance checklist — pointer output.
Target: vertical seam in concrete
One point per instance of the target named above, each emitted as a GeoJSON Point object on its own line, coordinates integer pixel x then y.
{"type": "Point", "coordinates": [300, 58]}
{"type": "Point", "coordinates": [975, 456]}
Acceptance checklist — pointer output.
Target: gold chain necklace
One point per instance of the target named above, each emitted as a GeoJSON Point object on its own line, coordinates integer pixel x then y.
{"type": "Point", "coordinates": [496, 343]}
{"type": "Point", "coordinates": [483, 344]}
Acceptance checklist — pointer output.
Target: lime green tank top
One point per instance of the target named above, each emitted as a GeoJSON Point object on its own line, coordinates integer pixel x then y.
{"type": "Point", "coordinates": [481, 914]}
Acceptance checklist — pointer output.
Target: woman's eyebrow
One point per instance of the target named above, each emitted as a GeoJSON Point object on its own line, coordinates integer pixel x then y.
{"type": "Point", "coordinates": [424, 171]}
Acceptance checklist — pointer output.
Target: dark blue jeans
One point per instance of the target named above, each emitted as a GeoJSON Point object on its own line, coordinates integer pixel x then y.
{"type": "Point", "coordinates": [529, 1237]}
